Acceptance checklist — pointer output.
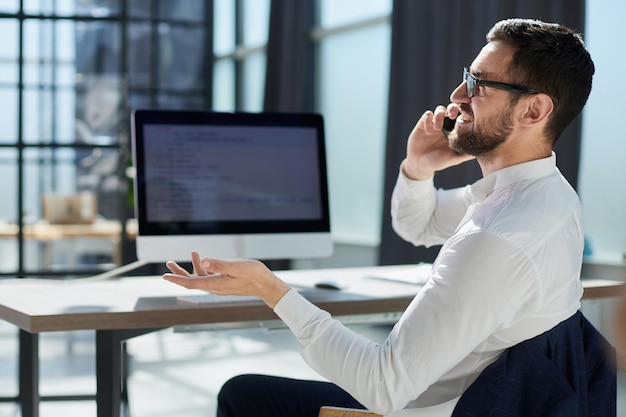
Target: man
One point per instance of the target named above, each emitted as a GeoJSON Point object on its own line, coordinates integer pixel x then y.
{"type": "Point", "coordinates": [512, 243]}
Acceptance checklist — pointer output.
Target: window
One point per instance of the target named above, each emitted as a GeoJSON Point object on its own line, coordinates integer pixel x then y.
{"type": "Point", "coordinates": [354, 39]}
{"type": "Point", "coordinates": [241, 32]}
{"type": "Point", "coordinates": [602, 169]}
{"type": "Point", "coordinates": [69, 73]}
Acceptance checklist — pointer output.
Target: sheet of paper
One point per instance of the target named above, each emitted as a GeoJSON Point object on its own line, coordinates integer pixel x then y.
{"type": "Point", "coordinates": [417, 274]}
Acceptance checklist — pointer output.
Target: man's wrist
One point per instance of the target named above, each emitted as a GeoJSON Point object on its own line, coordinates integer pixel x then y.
{"type": "Point", "coordinates": [277, 291]}
{"type": "Point", "coordinates": [414, 174]}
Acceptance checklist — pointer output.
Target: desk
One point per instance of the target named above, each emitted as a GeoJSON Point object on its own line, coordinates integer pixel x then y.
{"type": "Point", "coordinates": [46, 232]}
{"type": "Point", "coordinates": [119, 309]}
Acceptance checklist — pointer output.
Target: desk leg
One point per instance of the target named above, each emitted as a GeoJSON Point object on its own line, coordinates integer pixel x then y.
{"type": "Point", "coordinates": [110, 373]}
{"type": "Point", "coordinates": [29, 374]}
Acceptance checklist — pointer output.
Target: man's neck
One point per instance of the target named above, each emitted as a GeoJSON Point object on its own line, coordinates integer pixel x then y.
{"type": "Point", "coordinates": [502, 158]}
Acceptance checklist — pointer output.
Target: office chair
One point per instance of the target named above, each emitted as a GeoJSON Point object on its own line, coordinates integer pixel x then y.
{"type": "Point", "coordinates": [327, 411]}
{"type": "Point", "coordinates": [569, 370]}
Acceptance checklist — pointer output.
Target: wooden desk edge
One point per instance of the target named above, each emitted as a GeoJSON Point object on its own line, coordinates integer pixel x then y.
{"type": "Point", "coordinates": [594, 289]}
{"type": "Point", "coordinates": [17, 318]}
{"type": "Point", "coordinates": [206, 314]}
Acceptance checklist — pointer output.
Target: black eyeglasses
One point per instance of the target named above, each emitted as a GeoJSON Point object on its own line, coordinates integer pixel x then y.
{"type": "Point", "coordinates": [472, 82]}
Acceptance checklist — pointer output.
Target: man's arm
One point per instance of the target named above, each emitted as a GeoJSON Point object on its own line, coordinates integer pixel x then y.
{"type": "Point", "coordinates": [420, 214]}
{"type": "Point", "coordinates": [466, 301]}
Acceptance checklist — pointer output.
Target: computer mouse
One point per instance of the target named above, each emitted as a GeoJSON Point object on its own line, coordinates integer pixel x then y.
{"type": "Point", "coordinates": [330, 284]}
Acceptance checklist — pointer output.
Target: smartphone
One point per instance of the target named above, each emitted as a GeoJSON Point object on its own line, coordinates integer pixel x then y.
{"type": "Point", "coordinates": [448, 126]}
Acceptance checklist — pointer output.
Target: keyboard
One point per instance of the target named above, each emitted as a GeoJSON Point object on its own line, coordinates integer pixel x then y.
{"type": "Point", "coordinates": [210, 298]}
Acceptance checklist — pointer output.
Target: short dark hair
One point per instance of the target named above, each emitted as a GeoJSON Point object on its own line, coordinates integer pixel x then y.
{"type": "Point", "coordinates": [550, 58]}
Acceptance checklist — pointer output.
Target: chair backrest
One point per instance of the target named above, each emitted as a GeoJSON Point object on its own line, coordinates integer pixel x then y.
{"type": "Point", "coordinates": [569, 370]}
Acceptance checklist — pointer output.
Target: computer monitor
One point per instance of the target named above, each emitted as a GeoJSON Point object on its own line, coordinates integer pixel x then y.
{"type": "Point", "coordinates": [229, 185]}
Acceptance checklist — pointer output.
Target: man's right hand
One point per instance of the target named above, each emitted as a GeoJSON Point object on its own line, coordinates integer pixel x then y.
{"type": "Point", "coordinates": [427, 149]}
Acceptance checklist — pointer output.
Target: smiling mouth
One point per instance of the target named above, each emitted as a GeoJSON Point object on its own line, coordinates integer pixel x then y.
{"type": "Point", "coordinates": [465, 118]}
{"type": "Point", "coordinates": [465, 114]}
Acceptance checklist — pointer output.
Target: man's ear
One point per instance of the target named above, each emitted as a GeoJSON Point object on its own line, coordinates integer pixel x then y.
{"type": "Point", "coordinates": [538, 107]}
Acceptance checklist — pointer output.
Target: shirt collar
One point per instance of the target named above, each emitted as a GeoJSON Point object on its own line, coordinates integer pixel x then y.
{"type": "Point", "coordinates": [538, 168]}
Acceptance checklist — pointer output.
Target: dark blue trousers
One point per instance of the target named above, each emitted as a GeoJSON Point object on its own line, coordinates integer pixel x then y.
{"type": "Point", "coordinates": [262, 395]}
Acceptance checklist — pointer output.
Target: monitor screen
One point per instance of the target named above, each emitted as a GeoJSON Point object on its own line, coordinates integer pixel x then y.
{"type": "Point", "coordinates": [229, 185]}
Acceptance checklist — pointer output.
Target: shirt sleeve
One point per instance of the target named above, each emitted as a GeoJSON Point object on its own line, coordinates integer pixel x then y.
{"type": "Point", "coordinates": [423, 215]}
{"type": "Point", "coordinates": [464, 302]}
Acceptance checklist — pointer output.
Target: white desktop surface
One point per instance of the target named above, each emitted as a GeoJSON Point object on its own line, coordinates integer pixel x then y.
{"type": "Point", "coordinates": [149, 302]}
{"type": "Point", "coordinates": [144, 302]}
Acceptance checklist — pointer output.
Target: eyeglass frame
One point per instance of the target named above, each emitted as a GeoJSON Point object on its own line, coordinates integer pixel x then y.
{"type": "Point", "coordinates": [477, 82]}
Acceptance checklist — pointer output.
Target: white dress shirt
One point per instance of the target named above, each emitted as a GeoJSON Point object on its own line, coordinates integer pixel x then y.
{"type": "Point", "coordinates": [509, 269]}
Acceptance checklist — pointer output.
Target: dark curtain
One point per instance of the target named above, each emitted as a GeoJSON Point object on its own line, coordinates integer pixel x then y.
{"type": "Point", "coordinates": [289, 71]}
{"type": "Point", "coordinates": [289, 68]}
{"type": "Point", "coordinates": [431, 41]}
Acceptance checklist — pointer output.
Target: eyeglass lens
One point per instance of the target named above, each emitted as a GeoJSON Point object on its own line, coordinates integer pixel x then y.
{"type": "Point", "coordinates": [470, 83]}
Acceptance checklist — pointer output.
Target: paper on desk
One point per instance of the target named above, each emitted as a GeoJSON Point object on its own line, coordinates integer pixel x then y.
{"type": "Point", "coordinates": [413, 274]}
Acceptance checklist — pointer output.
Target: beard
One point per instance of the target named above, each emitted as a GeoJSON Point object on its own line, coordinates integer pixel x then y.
{"type": "Point", "coordinates": [484, 139]}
